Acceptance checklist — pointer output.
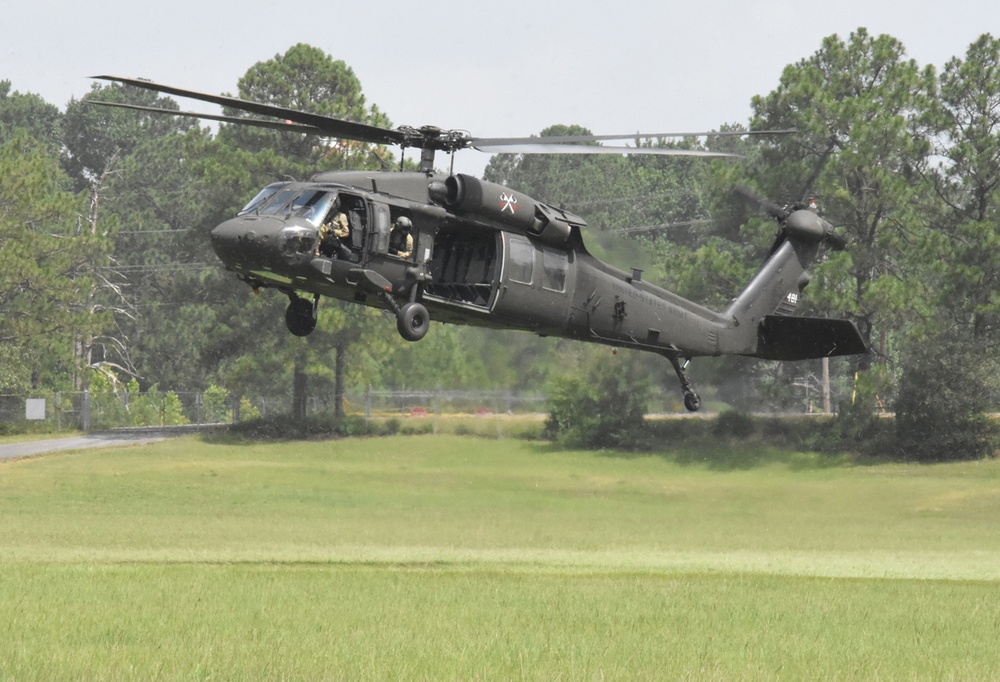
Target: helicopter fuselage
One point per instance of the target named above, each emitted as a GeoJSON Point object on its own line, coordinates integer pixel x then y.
{"type": "Point", "coordinates": [481, 254]}
{"type": "Point", "coordinates": [474, 267]}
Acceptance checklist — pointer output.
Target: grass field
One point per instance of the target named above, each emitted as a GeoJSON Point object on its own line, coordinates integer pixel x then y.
{"type": "Point", "coordinates": [454, 557]}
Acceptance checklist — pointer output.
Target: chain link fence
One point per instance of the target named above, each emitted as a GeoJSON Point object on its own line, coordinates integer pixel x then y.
{"type": "Point", "coordinates": [94, 411]}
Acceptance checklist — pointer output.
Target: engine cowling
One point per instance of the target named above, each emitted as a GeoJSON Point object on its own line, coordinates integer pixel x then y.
{"type": "Point", "coordinates": [489, 201]}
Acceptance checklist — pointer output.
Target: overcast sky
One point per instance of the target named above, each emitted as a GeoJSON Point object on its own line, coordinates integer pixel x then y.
{"type": "Point", "coordinates": [495, 69]}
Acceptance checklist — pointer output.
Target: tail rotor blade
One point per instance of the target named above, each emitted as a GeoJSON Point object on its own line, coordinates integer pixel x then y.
{"type": "Point", "coordinates": [766, 205]}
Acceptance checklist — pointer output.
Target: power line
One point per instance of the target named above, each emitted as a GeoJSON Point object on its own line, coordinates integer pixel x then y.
{"type": "Point", "coordinates": [161, 267]}
{"type": "Point", "coordinates": [183, 229]}
{"type": "Point", "coordinates": [656, 228]}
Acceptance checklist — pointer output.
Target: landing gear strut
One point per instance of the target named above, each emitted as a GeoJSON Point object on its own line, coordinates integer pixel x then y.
{"type": "Point", "coordinates": [412, 319]}
{"type": "Point", "coordinates": [300, 316]}
{"type": "Point", "coordinates": [692, 401]}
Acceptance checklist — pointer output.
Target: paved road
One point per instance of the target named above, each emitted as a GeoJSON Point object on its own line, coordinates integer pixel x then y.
{"type": "Point", "coordinates": [94, 440]}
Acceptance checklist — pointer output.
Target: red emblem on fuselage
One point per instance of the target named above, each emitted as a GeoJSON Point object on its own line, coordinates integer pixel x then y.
{"type": "Point", "coordinates": [508, 202]}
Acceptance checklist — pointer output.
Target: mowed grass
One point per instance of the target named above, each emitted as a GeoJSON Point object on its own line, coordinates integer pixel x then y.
{"type": "Point", "coordinates": [461, 558]}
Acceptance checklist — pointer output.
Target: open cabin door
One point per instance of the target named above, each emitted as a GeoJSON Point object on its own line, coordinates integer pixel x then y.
{"type": "Point", "coordinates": [379, 234]}
{"type": "Point", "coordinates": [465, 269]}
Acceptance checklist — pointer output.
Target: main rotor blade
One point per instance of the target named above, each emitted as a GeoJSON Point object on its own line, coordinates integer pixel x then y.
{"type": "Point", "coordinates": [327, 125]}
{"type": "Point", "coordinates": [285, 126]}
{"type": "Point", "coordinates": [479, 142]}
{"type": "Point", "coordinates": [536, 148]}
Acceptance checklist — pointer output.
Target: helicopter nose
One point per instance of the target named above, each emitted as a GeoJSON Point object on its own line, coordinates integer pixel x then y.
{"type": "Point", "coordinates": [245, 240]}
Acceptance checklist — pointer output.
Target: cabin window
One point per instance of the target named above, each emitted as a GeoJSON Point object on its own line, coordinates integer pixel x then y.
{"type": "Point", "coordinates": [554, 267]}
{"type": "Point", "coordinates": [521, 262]}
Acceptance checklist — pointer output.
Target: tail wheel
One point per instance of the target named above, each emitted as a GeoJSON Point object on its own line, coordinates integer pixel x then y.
{"type": "Point", "coordinates": [692, 402]}
{"type": "Point", "coordinates": [413, 321]}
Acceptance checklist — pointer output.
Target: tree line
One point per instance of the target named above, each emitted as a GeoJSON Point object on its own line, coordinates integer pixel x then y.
{"type": "Point", "coordinates": [106, 269]}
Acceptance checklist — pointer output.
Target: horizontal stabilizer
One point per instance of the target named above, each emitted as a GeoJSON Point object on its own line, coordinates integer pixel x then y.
{"type": "Point", "coordinates": [803, 338]}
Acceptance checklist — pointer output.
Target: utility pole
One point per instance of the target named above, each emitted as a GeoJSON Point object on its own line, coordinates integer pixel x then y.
{"type": "Point", "coordinates": [827, 408]}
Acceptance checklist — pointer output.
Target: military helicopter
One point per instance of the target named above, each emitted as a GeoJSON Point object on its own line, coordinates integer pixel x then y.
{"type": "Point", "coordinates": [453, 248]}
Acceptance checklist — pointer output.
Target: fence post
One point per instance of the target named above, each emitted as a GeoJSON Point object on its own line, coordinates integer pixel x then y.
{"type": "Point", "coordinates": [368, 408]}
{"type": "Point", "coordinates": [435, 407]}
{"type": "Point", "coordinates": [85, 411]}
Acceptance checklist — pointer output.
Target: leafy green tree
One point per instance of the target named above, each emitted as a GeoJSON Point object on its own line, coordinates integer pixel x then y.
{"type": "Point", "coordinates": [97, 137]}
{"type": "Point", "coordinates": [29, 113]}
{"type": "Point", "coordinates": [963, 247]}
{"type": "Point", "coordinates": [855, 104]}
{"type": "Point", "coordinates": [107, 401]}
{"type": "Point", "coordinates": [153, 407]}
{"type": "Point", "coordinates": [166, 201]}
{"type": "Point", "coordinates": [49, 264]}
{"type": "Point", "coordinates": [305, 78]}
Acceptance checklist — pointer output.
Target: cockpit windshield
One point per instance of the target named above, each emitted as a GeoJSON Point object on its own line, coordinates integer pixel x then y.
{"type": "Point", "coordinates": [278, 203]}
{"type": "Point", "coordinates": [279, 199]}
{"type": "Point", "coordinates": [258, 201]}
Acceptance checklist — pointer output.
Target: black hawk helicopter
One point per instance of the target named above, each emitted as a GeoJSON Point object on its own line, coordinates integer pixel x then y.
{"type": "Point", "coordinates": [457, 249]}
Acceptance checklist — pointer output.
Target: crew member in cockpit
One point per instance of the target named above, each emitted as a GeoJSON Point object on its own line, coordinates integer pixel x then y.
{"type": "Point", "coordinates": [400, 239]}
{"type": "Point", "coordinates": [333, 233]}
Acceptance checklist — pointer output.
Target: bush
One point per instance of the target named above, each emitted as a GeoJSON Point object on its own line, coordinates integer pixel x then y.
{"type": "Point", "coordinates": [284, 427]}
{"type": "Point", "coordinates": [734, 424]}
{"type": "Point", "coordinates": [215, 406]}
{"type": "Point", "coordinates": [940, 413]}
{"type": "Point", "coordinates": [390, 427]}
{"type": "Point", "coordinates": [604, 408]}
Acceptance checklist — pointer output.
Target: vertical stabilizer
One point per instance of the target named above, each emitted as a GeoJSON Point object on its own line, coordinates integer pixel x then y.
{"type": "Point", "coordinates": [756, 315]}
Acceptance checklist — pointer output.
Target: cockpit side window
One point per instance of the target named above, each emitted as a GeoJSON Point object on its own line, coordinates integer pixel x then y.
{"type": "Point", "coordinates": [312, 205]}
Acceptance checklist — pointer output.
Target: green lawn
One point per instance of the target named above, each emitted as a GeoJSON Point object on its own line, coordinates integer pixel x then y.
{"type": "Point", "coordinates": [461, 558]}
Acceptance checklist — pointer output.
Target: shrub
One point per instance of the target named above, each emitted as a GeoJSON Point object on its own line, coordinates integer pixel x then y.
{"type": "Point", "coordinates": [604, 408]}
{"type": "Point", "coordinates": [940, 413]}
{"type": "Point", "coordinates": [215, 406]}
{"type": "Point", "coordinates": [734, 424]}
{"type": "Point", "coordinates": [284, 427]}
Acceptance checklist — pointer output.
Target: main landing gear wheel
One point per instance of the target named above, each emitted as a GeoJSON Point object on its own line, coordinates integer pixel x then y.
{"type": "Point", "coordinates": [300, 316]}
{"type": "Point", "coordinates": [692, 401]}
{"type": "Point", "coordinates": [412, 321]}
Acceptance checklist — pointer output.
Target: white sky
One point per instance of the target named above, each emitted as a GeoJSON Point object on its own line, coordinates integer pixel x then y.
{"type": "Point", "coordinates": [495, 69]}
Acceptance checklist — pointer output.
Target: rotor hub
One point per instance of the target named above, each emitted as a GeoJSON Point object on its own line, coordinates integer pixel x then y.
{"type": "Point", "coordinates": [434, 138]}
